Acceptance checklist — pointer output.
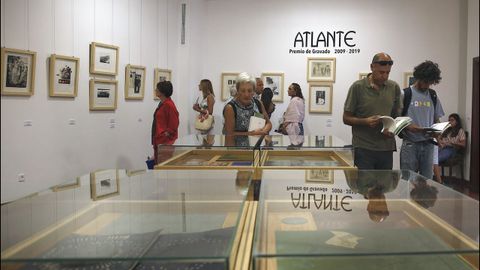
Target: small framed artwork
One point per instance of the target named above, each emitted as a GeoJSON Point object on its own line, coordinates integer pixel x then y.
{"type": "Point", "coordinates": [320, 98]}
{"type": "Point", "coordinates": [363, 75]}
{"type": "Point", "coordinates": [321, 69]}
{"type": "Point", "coordinates": [68, 185]}
{"type": "Point", "coordinates": [408, 79]}
{"type": "Point", "coordinates": [103, 95]}
{"type": "Point", "coordinates": [103, 59]}
{"type": "Point", "coordinates": [63, 76]}
{"type": "Point", "coordinates": [320, 141]}
{"type": "Point", "coordinates": [322, 176]}
{"type": "Point", "coordinates": [104, 184]}
{"type": "Point", "coordinates": [229, 81]}
{"type": "Point", "coordinates": [134, 82]}
{"type": "Point", "coordinates": [135, 172]}
{"type": "Point", "coordinates": [160, 75]}
{"type": "Point", "coordinates": [274, 81]}
{"type": "Point", "coordinates": [18, 72]}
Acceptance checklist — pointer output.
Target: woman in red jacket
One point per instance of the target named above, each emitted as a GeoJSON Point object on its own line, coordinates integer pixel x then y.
{"type": "Point", "coordinates": [165, 119]}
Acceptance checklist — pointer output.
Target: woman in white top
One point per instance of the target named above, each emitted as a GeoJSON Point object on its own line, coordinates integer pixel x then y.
{"type": "Point", "coordinates": [295, 113]}
{"type": "Point", "coordinates": [205, 107]}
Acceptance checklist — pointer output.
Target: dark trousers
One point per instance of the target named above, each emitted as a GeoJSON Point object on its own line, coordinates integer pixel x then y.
{"type": "Point", "coordinates": [373, 160]}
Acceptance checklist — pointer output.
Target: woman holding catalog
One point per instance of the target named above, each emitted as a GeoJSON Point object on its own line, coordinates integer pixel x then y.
{"type": "Point", "coordinates": [243, 108]}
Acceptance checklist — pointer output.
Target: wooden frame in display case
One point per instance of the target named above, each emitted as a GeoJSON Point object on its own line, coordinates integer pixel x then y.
{"type": "Point", "coordinates": [134, 82]}
{"type": "Point", "coordinates": [160, 75]}
{"type": "Point", "coordinates": [321, 69]}
{"type": "Point", "coordinates": [228, 81]}
{"type": "Point", "coordinates": [69, 185]}
{"type": "Point", "coordinates": [274, 81]}
{"type": "Point", "coordinates": [103, 59]}
{"type": "Point", "coordinates": [103, 95]}
{"type": "Point", "coordinates": [18, 72]}
{"type": "Point", "coordinates": [288, 159]}
{"type": "Point", "coordinates": [63, 76]}
{"type": "Point", "coordinates": [211, 159]}
{"type": "Point", "coordinates": [320, 98]}
{"type": "Point", "coordinates": [104, 184]}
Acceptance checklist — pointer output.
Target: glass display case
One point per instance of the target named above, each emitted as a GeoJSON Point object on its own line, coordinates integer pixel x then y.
{"type": "Point", "coordinates": [210, 152]}
{"type": "Point", "coordinates": [313, 151]}
{"type": "Point", "coordinates": [353, 219]}
{"type": "Point", "coordinates": [170, 219]}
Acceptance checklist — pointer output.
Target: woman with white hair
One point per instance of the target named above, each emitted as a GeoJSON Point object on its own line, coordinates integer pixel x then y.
{"type": "Point", "coordinates": [238, 111]}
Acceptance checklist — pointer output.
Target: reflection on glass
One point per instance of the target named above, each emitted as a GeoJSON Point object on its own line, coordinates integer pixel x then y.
{"type": "Point", "coordinates": [373, 186]}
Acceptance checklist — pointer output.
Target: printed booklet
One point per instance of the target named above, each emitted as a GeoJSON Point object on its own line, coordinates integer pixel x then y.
{"type": "Point", "coordinates": [396, 125]}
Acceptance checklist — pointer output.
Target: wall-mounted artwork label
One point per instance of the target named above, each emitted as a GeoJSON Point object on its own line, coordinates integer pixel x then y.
{"type": "Point", "coordinates": [324, 42]}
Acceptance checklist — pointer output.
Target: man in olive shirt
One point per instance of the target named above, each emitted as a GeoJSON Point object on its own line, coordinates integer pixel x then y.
{"type": "Point", "coordinates": [367, 100]}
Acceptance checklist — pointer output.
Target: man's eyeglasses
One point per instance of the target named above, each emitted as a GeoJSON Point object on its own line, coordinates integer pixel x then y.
{"type": "Point", "coordinates": [384, 63]}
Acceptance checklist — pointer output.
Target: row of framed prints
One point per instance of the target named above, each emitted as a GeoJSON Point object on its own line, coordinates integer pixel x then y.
{"type": "Point", "coordinates": [18, 75]}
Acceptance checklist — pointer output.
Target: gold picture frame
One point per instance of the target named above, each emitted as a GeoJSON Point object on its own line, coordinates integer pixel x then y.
{"type": "Point", "coordinates": [274, 81]}
{"type": "Point", "coordinates": [63, 80]}
{"type": "Point", "coordinates": [228, 80]}
{"type": "Point", "coordinates": [321, 69]}
{"type": "Point", "coordinates": [135, 82]}
{"type": "Point", "coordinates": [18, 72]}
{"type": "Point", "coordinates": [320, 176]}
{"type": "Point", "coordinates": [408, 79]}
{"type": "Point", "coordinates": [160, 75]}
{"type": "Point", "coordinates": [363, 75]}
{"type": "Point", "coordinates": [104, 184]}
{"type": "Point", "coordinates": [103, 59]}
{"type": "Point", "coordinates": [320, 99]}
{"type": "Point", "coordinates": [103, 95]}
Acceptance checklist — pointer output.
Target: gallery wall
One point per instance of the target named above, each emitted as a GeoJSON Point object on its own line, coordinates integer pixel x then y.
{"type": "Point", "coordinates": [52, 151]}
{"type": "Point", "coordinates": [221, 36]}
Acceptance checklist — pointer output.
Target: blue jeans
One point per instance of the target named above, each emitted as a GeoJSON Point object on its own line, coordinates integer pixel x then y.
{"type": "Point", "coordinates": [417, 157]}
{"type": "Point", "coordinates": [446, 153]}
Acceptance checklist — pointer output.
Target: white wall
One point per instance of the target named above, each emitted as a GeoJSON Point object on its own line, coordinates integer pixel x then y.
{"type": "Point", "coordinates": [51, 151]}
{"type": "Point", "coordinates": [252, 36]}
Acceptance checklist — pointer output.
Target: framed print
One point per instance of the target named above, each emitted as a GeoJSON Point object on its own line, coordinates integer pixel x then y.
{"type": "Point", "coordinates": [363, 75]}
{"type": "Point", "coordinates": [229, 81]}
{"type": "Point", "coordinates": [320, 141]}
{"type": "Point", "coordinates": [134, 82]}
{"type": "Point", "coordinates": [321, 69]}
{"type": "Point", "coordinates": [68, 185]}
{"type": "Point", "coordinates": [274, 81]}
{"type": "Point", "coordinates": [160, 75]}
{"type": "Point", "coordinates": [18, 72]}
{"type": "Point", "coordinates": [103, 95]}
{"type": "Point", "coordinates": [103, 59]}
{"type": "Point", "coordinates": [408, 79]}
{"type": "Point", "coordinates": [322, 176]}
{"type": "Point", "coordinates": [104, 184]}
{"type": "Point", "coordinates": [63, 76]}
{"type": "Point", "coordinates": [320, 98]}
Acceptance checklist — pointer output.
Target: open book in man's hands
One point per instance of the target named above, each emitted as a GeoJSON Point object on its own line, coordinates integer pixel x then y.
{"type": "Point", "coordinates": [396, 125]}
{"type": "Point", "coordinates": [438, 127]}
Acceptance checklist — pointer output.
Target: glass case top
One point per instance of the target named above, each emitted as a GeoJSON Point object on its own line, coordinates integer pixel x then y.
{"type": "Point", "coordinates": [207, 141]}
{"type": "Point", "coordinates": [318, 213]}
{"type": "Point", "coordinates": [127, 221]}
{"type": "Point", "coordinates": [297, 142]}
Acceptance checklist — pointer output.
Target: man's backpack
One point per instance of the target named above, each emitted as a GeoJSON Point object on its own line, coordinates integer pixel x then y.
{"type": "Point", "coordinates": [407, 98]}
